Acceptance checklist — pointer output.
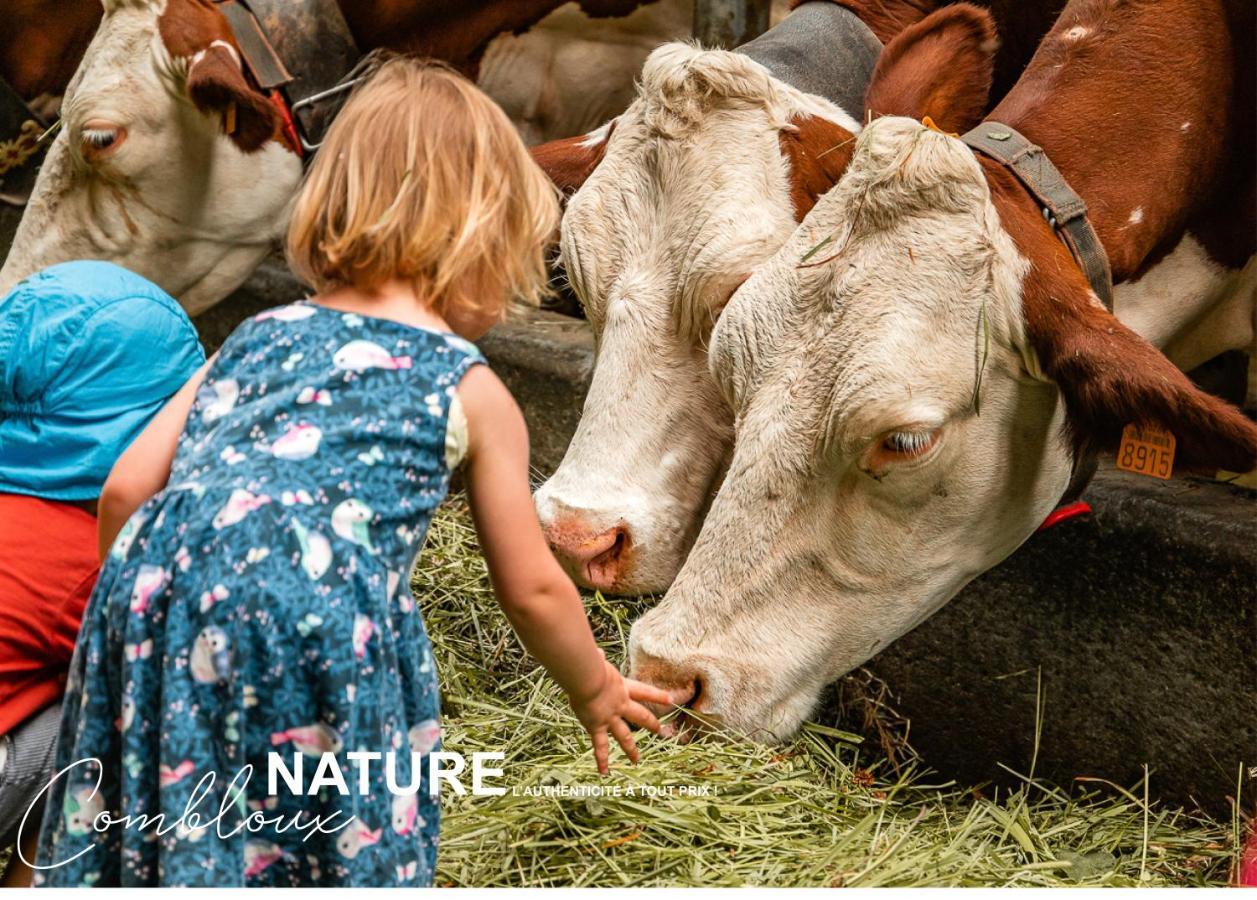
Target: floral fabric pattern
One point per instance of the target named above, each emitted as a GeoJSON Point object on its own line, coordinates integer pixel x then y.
{"type": "Point", "coordinates": [260, 603]}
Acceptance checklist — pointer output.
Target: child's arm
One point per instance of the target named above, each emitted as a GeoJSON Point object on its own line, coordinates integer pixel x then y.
{"type": "Point", "coordinates": [143, 468]}
{"type": "Point", "coordinates": [538, 598]}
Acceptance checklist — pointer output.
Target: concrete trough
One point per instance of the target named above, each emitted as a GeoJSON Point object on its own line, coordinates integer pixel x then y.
{"type": "Point", "coordinates": [1132, 633]}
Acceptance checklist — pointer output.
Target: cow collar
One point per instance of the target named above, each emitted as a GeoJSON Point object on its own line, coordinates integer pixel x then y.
{"type": "Point", "coordinates": [303, 56]}
{"type": "Point", "coordinates": [821, 48]}
{"type": "Point", "coordinates": [22, 133]}
{"type": "Point", "coordinates": [1063, 209]}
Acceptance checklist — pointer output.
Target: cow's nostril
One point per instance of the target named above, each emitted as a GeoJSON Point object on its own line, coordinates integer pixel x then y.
{"type": "Point", "coordinates": [598, 560]}
{"type": "Point", "coordinates": [604, 568]}
{"type": "Point", "coordinates": [695, 695]}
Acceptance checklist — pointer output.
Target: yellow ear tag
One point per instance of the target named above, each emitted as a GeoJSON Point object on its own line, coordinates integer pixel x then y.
{"type": "Point", "coordinates": [229, 118]}
{"type": "Point", "coordinates": [929, 123]}
{"type": "Point", "coordinates": [1146, 450]}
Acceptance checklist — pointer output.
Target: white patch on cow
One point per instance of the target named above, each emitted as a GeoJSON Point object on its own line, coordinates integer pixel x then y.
{"type": "Point", "coordinates": [1077, 33]}
{"type": "Point", "coordinates": [1136, 216]}
{"type": "Point", "coordinates": [597, 136]}
{"type": "Point", "coordinates": [692, 195]}
{"type": "Point", "coordinates": [1186, 126]}
{"type": "Point", "coordinates": [178, 202]}
{"type": "Point", "coordinates": [1190, 306]}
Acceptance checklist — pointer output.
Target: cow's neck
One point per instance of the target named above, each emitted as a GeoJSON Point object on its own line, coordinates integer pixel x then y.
{"type": "Point", "coordinates": [1131, 103]}
{"type": "Point", "coordinates": [455, 32]}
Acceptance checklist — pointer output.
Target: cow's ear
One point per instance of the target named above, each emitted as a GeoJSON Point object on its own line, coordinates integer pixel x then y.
{"type": "Point", "coordinates": [570, 161]}
{"type": "Point", "coordinates": [216, 85]}
{"type": "Point", "coordinates": [940, 67]}
{"type": "Point", "coordinates": [1110, 377]}
{"type": "Point", "coordinates": [818, 152]}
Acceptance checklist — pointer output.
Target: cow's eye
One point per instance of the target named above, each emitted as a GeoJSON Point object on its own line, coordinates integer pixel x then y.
{"type": "Point", "coordinates": [901, 447]}
{"type": "Point", "coordinates": [99, 138]}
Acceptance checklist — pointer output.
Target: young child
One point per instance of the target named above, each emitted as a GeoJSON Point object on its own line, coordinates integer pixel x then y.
{"type": "Point", "coordinates": [259, 602]}
{"type": "Point", "coordinates": [89, 352]}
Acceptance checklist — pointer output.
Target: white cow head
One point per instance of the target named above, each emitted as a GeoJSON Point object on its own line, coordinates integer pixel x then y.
{"type": "Point", "coordinates": [166, 161]}
{"type": "Point", "coordinates": [908, 406]}
{"type": "Point", "coordinates": [679, 200]}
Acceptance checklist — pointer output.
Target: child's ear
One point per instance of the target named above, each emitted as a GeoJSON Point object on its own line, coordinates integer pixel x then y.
{"type": "Point", "coordinates": [570, 161]}
{"type": "Point", "coordinates": [216, 85]}
{"type": "Point", "coordinates": [1110, 377]}
{"type": "Point", "coordinates": [940, 67]}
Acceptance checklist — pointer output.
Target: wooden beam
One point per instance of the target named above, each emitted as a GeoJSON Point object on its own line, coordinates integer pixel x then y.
{"type": "Point", "coordinates": [729, 23]}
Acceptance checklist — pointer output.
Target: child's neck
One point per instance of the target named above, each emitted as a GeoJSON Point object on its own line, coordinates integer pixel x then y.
{"type": "Point", "coordinates": [395, 300]}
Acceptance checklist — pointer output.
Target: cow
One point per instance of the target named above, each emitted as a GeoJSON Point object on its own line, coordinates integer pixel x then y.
{"type": "Point", "coordinates": [673, 204]}
{"type": "Point", "coordinates": [142, 172]}
{"type": "Point", "coordinates": [919, 370]}
{"type": "Point", "coordinates": [572, 71]}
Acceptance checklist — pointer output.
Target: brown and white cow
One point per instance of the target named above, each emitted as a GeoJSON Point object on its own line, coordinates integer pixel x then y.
{"type": "Point", "coordinates": [910, 402]}
{"type": "Point", "coordinates": [676, 202]}
{"type": "Point", "coordinates": [142, 174]}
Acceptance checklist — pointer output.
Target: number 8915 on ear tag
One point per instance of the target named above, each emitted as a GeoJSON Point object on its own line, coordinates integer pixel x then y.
{"type": "Point", "coordinates": [1146, 450]}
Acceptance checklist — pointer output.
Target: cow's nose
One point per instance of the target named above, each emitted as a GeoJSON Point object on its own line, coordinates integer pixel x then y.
{"type": "Point", "coordinates": [597, 560]}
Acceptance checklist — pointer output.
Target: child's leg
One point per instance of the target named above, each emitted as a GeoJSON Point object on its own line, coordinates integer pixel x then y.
{"type": "Point", "coordinates": [24, 771]}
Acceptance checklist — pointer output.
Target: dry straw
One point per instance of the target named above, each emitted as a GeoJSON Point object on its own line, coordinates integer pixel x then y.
{"type": "Point", "coordinates": [825, 809]}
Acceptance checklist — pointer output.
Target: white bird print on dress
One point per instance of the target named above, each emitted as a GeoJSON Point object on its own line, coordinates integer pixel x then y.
{"type": "Point", "coordinates": [349, 521]}
{"type": "Point", "coordinates": [211, 656]}
{"type": "Point", "coordinates": [316, 550]}
{"type": "Point", "coordinates": [358, 356]}
{"type": "Point", "coordinates": [425, 736]}
{"type": "Point", "coordinates": [148, 581]}
{"type": "Point", "coordinates": [299, 442]}
{"type": "Point", "coordinates": [311, 740]}
{"type": "Point", "coordinates": [239, 505]}
{"type": "Point", "coordinates": [355, 837]}
{"type": "Point", "coordinates": [218, 398]}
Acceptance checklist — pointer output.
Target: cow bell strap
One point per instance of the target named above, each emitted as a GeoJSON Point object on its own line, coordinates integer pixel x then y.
{"type": "Point", "coordinates": [300, 53]}
{"type": "Point", "coordinates": [21, 145]}
{"type": "Point", "coordinates": [1064, 210]}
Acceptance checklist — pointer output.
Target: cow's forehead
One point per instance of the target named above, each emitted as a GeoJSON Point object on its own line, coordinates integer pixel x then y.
{"type": "Point", "coordinates": [689, 204]}
{"type": "Point", "coordinates": [120, 51]}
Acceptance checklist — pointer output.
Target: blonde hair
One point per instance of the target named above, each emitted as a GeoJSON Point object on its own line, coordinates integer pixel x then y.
{"type": "Point", "coordinates": [422, 178]}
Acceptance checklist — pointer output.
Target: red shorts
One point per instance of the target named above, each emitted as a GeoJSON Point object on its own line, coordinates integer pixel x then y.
{"type": "Point", "coordinates": [48, 566]}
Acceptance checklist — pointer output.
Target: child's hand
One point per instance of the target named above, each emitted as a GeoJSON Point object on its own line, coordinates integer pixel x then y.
{"type": "Point", "coordinates": [609, 705]}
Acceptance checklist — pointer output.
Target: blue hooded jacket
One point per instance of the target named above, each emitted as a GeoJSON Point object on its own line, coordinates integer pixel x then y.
{"type": "Point", "coordinates": [89, 352]}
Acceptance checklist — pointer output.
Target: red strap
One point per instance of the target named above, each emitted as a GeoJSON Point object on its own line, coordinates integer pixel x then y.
{"type": "Point", "coordinates": [1061, 513]}
{"type": "Point", "coordinates": [289, 127]}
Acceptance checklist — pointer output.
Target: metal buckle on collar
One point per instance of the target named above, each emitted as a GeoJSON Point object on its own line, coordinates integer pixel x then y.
{"type": "Point", "coordinates": [356, 75]}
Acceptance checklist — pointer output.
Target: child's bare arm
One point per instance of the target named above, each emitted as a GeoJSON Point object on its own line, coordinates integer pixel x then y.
{"type": "Point", "coordinates": [536, 595]}
{"type": "Point", "coordinates": [143, 468]}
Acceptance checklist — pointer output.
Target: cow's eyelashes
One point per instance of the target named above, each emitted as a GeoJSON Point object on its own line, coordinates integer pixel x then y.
{"type": "Point", "coordinates": [908, 445]}
{"type": "Point", "coordinates": [99, 138]}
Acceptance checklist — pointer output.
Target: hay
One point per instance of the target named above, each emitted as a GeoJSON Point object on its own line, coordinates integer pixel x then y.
{"type": "Point", "coordinates": [822, 810]}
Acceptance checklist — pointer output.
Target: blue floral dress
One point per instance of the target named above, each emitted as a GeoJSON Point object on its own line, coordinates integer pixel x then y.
{"type": "Point", "coordinates": [259, 604]}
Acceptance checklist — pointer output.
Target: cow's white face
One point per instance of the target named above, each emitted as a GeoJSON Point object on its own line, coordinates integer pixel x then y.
{"type": "Point", "coordinates": [140, 176]}
{"type": "Point", "coordinates": [867, 486]}
{"type": "Point", "coordinates": [693, 193]}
